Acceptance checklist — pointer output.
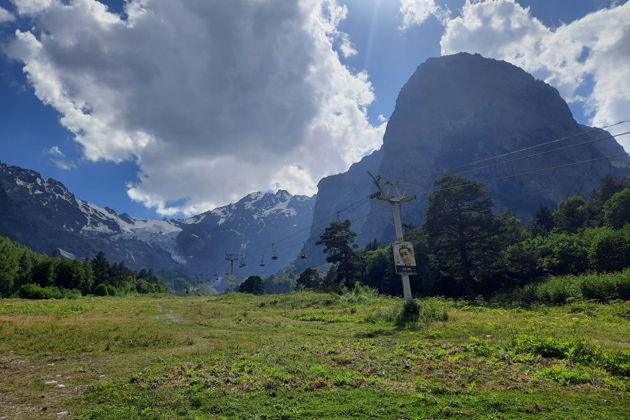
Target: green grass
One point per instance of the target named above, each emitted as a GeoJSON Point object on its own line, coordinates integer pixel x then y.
{"type": "Point", "coordinates": [310, 355]}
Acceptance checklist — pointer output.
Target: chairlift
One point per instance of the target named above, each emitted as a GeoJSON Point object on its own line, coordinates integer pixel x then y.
{"type": "Point", "coordinates": [242, 264]}
{"type": "Point", "coordinates": [273, 253]}
{"type": "Point", "coordinates": [262, 261]}
{"type": "Point", "coordinates": [303, 254]}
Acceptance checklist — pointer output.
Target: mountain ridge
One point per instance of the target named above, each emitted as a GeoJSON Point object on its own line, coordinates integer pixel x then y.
{"type": "Point", "coordinates": [44, 215]}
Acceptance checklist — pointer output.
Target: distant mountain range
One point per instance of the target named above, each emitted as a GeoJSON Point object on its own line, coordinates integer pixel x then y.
{"type": "Point", "coordinates": [42, 214]}
{"type": "Point", "coordinates": [457, 109]}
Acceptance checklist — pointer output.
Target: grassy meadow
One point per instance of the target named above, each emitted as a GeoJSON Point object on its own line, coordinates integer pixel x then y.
{"type": "Point", "coordinates": [310, 355]}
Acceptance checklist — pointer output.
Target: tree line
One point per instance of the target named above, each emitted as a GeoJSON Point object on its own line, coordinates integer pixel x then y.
{"type": "Point", "coordinates": [28, 274]}
{"type": "Point", "coordinates": [465, 249]}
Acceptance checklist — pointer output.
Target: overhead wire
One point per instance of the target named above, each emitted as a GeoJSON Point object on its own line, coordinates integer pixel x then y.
{"type": "Point", "coordinates": [435, 174]}
{"type": "Point", "coordinates": [535, 146]}
{"type": "Point", "coordinates": [571, 146]}
{"type": "Point", "coordinates": [534, 171]}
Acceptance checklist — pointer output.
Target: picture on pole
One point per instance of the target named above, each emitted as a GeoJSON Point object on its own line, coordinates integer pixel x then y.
{"type": "Point", "coordinates": [404, 258]}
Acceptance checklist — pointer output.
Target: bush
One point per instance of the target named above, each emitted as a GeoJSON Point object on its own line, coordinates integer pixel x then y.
{"type": "Point", "coordinates": [105, 290]}
{"type": "Point", "coordinates": [558, 290]}
{"type": "Point", "coordinates": [610, 249]}
{"type": "Point", "coordinates": [427, 311]}
{"type": "Point", "coordinates": [617, 209]}
{"type": "Point", "coordinates": [409, 315]}
{"type": "Point", "coordinates": [432, 310]}
{"type": "Point", "coordinates": [35, 291]}
{"type": "Point", "coordinates": [253, 285]}
{"type": "Point", "coordinates": [359, 293]}
{"type": "Point", "coordinates": [577, 350]}
{"type": "Point", "coordinates": [606, 287]}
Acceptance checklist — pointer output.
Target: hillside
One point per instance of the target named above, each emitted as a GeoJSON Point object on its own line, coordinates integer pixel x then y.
{"type": "Point", "coordinates": [308, 355]}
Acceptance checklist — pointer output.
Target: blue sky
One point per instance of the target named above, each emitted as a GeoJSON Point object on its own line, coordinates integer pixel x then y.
{"type": "Point", "coordinates": [184, 117]}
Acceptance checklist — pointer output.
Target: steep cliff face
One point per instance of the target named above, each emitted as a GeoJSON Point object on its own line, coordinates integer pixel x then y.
{"type": "Point", "coordinates": [42, 214]}
{"type": "Point", "coordinates": [345, 196]}
{"type": "Point", "coordinates": [460, 108]}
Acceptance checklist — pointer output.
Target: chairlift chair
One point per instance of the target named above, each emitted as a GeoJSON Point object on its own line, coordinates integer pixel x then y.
{"type": "Point", "coordinates": [303, 254]}
{"type": "Point", "coordinates": [262, 261]}
{"type": "Point", "coordinates": [274, 257]}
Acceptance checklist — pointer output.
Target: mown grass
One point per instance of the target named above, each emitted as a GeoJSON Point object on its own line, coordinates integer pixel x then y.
{"type": "Point", "coordinates": [310, 355]}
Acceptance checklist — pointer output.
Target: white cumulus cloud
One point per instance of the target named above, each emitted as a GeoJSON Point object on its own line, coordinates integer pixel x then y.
{"type": "Point", "coordinates": [5, 15]}
{"type": "Point", "coordinates": [213, 99]}
{"type": "Point", "coordinates": [416, 12]}
{"type": "Point", "coordinates": [594, 48]}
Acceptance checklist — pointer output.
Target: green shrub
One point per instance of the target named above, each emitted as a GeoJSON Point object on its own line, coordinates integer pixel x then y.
{"type": "Point", "coordinates": [359, 293]}
{"type": "Point", "coordinates": [617, 363]}
{"type": "Point", "coordinates": [617, 209]}
{"type": "Point", "coordinates": [606, 287]}
{"type": "Point", "coordinates": [35, 291]}
{"type": "Point", "coordinates": [557, 290]}
{"type": "Point", "coordinates": [409, 315]}
{"type": "Point", "coordinates": [576, 350]}
{"type": "Point", "coordinates": [105, 290]}
{"type": "Point", "coordinates": [432, 310]}
{"type": "Point", "coordinates": [412, 313]}
{"type": "Point", "coordinates": [610, 249]}
{"type": "Point", "coordinates": [567, 375]}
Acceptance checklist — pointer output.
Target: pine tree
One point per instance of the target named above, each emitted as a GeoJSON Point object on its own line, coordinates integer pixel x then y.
{"type": "Point", "coordinates": [461, 227]}
{"type": "Point", "coordinates": [338, 241]}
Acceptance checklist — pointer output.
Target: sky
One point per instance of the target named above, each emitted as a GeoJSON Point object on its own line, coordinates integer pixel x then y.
{"type": "Point", "coordinates": [168, 108]}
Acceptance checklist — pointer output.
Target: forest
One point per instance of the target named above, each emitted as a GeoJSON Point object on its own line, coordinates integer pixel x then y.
{"type": "Point", "coordinates": [30, 275]}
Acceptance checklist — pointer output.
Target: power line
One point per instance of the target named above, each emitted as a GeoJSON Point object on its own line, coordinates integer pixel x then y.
{"type": "Point", "coordinates": [524, 149]}
{"type": "Point", "coordinates": [529, 156]}
{"type": "Point", "coordinates": [538, 170]}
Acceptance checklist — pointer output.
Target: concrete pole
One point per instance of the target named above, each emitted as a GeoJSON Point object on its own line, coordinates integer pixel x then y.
{"type": "Point", "coordinates": [400, 237]}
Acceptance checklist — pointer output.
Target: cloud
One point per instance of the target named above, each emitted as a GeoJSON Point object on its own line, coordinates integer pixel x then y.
{"type": "Point", "coordinates": [212, 99]}
{"type": "Point", "coordinates": [5, 15]}
{"type": "Point", "coordinates": [594, 48]}
{"type": "Point", "coordinates": [58, 158]}
{"type": "Point", "coordinates": [416, 12]}
{"type": "Point", "coordinates": [55, 151]}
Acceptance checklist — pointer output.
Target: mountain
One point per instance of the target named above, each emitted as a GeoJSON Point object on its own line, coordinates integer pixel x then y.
{"type": "Point", "coordinates": [43, 215]}
{"type": "Point", "coordinates": [454, 110]}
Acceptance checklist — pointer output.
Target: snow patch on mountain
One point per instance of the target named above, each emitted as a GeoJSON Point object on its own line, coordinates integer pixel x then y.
{"type": "Point", "coordinates": [251, 199]}
{"type": "Point", "coordinates": [281, 207]}
{"type": "Point", "coordinates": [223, 213]}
